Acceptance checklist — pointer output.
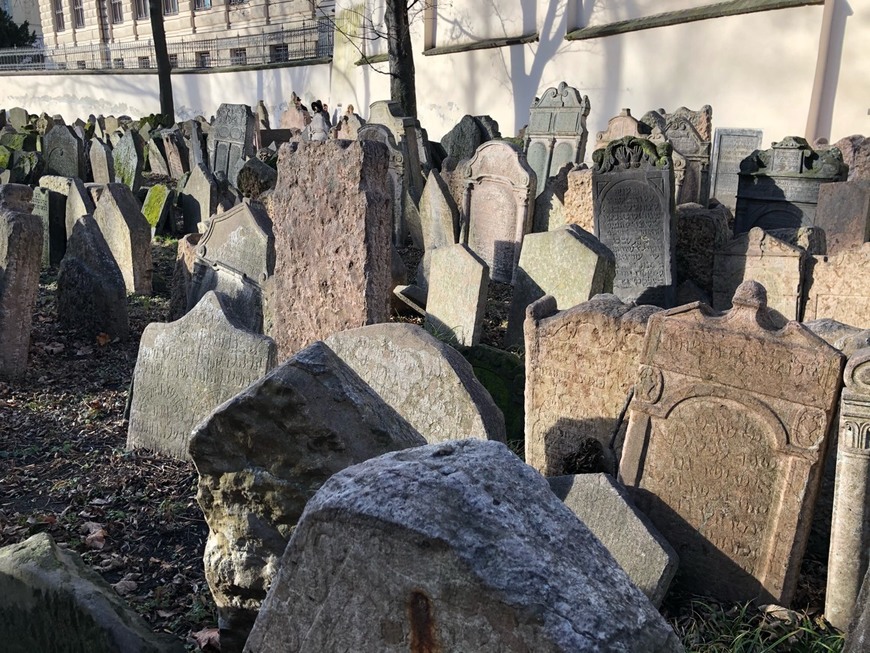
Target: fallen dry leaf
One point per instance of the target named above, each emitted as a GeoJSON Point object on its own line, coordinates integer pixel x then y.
{"type": "Point", "coordinates": [207, 639]}
{"type": "Point", "coordinates": [103, 339]}
{"type": "Point", "coordinates": [125, 587]}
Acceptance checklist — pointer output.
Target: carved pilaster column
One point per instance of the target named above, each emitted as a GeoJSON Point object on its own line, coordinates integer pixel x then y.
{"type": "Point", "coordinates": [850, 527]}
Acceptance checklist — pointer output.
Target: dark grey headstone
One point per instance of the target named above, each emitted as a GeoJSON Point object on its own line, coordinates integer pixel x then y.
{"type": "Point", "coordinates": [64, 153]}
{"type": "Point", "coordinates": [843, 212]}
{"type": "Point", "coordinates": [50, 206]}
{"type": "Point", "coordinates": [730, 147]}
{"type": "Point", "coordinates": [231, 137]}
{"type": "Point", "coordinates": [129, 160]}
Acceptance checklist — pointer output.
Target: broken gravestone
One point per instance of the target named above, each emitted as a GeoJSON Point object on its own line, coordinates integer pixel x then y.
{"type": "Point", "coordinates": [129, 158]}
{"type": "Point", "coordinates": [456, 302]}
{"type": "Point", "coordinates": [128, 235]}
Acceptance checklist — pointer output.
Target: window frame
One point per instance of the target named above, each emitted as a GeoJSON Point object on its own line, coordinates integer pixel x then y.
{"type": "Point", "coordinates": [78, 7]}
{"type": "Point", "coordinates": [116, 11]}
{"type": "Point", "coordinates": [141, 9]}
{"type": "Point", "coordinates": [59, 18]}
{"type": "Point", "coordinates": [172, 9]}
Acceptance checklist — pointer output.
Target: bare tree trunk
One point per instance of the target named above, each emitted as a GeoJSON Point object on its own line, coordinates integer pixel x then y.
{"type": "Point", "coordinates": [402, 84]}
{"type": "Point", "coordinates": [161, 54]}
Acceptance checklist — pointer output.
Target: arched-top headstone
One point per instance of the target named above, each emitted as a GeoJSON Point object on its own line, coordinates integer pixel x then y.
{"type": "Point", "coordinates": [382, 134]}
{"type": "Point", "coordinates": [231, 137]}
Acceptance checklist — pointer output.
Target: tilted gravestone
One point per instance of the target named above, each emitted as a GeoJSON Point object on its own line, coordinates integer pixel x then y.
{"type": "Point", "coordinates": [424, 380]}
{"type": "Point", "coordinates": [497, 206]}
{"type": "Point", "coordinates": [779, 187]}
{"type": "Point", "coordinates": [459, 547]}
{"type": "Point", "coordinates": [758, 255]}
{"type": "Point", "coordinates": [568, 264]}
{"type": "Point", "coordinates": [557, 132]}
{"type": "Point", "coordinates": [102, 162]}
{"type": "Point", "coordinates": [157, 209]}
{"type": "Point", "coordinates": [439, 215]}
{"type": "Point", "coordinates": [128, 235]}
{"type": "Point", "coordinates": [64, 153]}
{"type": "Point", "coordinates": [157, 156]}
{"type": "Point", "coordinates": [177, 156]}
{"type": "Point", "coordinates": [279, 440]}
{"type": "Point", "coordinates": [730, 148]}
{"type": "Point", "coordinates": [231, 138]}
{"type": "Point", "coordinates": [187, 368]}
{"type": "Point", "coordinates": [578, 199]}
{"type": "Point", "coordinates": [381, 134]}
{"type": "Point", "coordinates": [91, 295]}
{"type": "Point", "coordinates": [839, 288]}
{"type": "Point", "coordinates": [843, 212]}
{"type": "Point", "coordinates": [332, 268]}
{"type": "Point", "coordinates": [581, 365]}
{"type": "Point", "coordinates": [727, 433]}
{"type": "Point", "coordinates": [550, 213]}
{"type": "Point", "coordinates": [129, 160]}
{"type": "Point", "coordinates": [409, 137]}
{"type": "Point", "coordinates": [20, 259]}
{"type": "Point", "coordinates": [632, 192]}
{"type": "Point", "coordinates": [606, 509]}
{"type": "Point", "coordinates": [456, 302]}
{"type": "Point", "coordinates": [689, 133]}
{"type": "Point", "coordinates": [234, 258]}
{"type": "Point", "coordinates": [198, 198]}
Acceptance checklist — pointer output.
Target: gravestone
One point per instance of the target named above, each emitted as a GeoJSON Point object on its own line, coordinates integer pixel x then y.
{"type": "Point", "coordinates": [197, 150]}
{"type": "Point", "coordinates": [256, 178]}
{"type": "Point", "coordinates": [16, 197]}
{"type": "Point", "coordinates": [63, 153]}
{"type": "Point", "coordinates": [568, 264]}
{"type": "Point", "coordinates": [424, 380]}
{"type": "Point", "coordinates": [779, 187]}
{"type": "Point", "coordinates": [776, 265]}
{"type": "Point", "coordinates": [186, 368]}
{"type": "Point", "coordinates": [102, 162]}
{"type": "Point", "coordinates": [633, 199]}
{"type": "Point", "coordinates": [839, 289]}
{"type": "Point", "coordinates": [157, 156]}
{"type": "Point", "coordinates": [262, 115]}
{"type": "Point", "coordinates": [465, 137]}
{"type": "Point", "coordinates": [579, 207]}
{"type": "Point", "coordinates": [581, 364]}
{"type": "Point", "coordinates": [182, 274]}
{"type": "Point", "coordinates": [850, 523]}
{"type": "Point", "coordinates": [605, 508]}
{"type": "Point", "coordinates": [78, 201]}
{"type": "Point", "coordinates": [17, 117]}
{"type": "Point", "coordinates": [91, 295]}
{"type": "Point", "coordinates": [128, 235]}
{"type": "Point", "coordinates": [50, 206]}
{"type": "Point", "coordinates": [177, 156]}
{"type": "Point", "coordinates": [231, 137]}
{"type": "Point", "coordinates": [408, 134]}
{"type": "Point", "coordinates": [856, 155]}
{"type": "Point", "coordinates": [157, 209]}
{"type": "Point", "coordinates": [20, 258]}
{"type": "Point", "coordinates": [497, 206]}
{"type": "Point", "coordinates": [557, 132]}
{"type": "Point", "coordinates": [620, 127]}
{"type": "Point", "coordinates": [690, 134]}
{"type": "Point", "coordinates": [726, 438]}
{"type": "Point", "coordinates": [332, 269]}
{"type": "Point", "coordinates": [234, 258]}
{"type": "Point", "coordinates": [550, 211]}
{"type": "Point", "coordinates": [129, 159]}
{"type": "Point", "coordinates": [456, 302]}
{"type": "Point", "coordinates": [198, 198]}
{"type": "Point", "coordinates": [730, 148]}
{"type": "Point", "coordinates": [843, 212]}
{"type": "Point", "coordinates": [439, 215]}
{"type": "Point", "coordinates": [700, 233]}
{"type": "Point", "coordinates": [279, 440]}
{"type": "Point", "coordinates": [396, 168]}
{"type": "Point", "coordinates": [425, 532]}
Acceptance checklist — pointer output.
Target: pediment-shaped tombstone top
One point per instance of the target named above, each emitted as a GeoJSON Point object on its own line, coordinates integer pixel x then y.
{"type": "Point", "coordinates": [231, 137]}
{"type": "Point", "coordinates": [632, 153]}
{"type": "Point", "coordinates": [621, 126]}
{"type": "Point", "coordinates": [390, 114]}
{"type": "Point", "coordinates": [381, 134]}
{"type": "Point", "coordinates": [561, 110]}
{"type": "Point", "coordinates": [500, 160]}
{"type": "Point", "coordinates": [241, 239]}
{"type": "Point", "coordinates": [794, 157]}
{"type": "Point", "coordinates": [681, 130]}
{"type": "Point", "coordinates": [757, 242]}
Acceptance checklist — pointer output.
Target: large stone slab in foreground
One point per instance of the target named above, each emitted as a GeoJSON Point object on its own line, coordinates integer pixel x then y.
{"type": "Point", "coordinates": [426, 381]}
{"type": "Point", "coordinates": [50, 601]}
{"type": "Point", "coordinates": [264, 453]}
{"type": "Point", "coordinates": [455, 546]}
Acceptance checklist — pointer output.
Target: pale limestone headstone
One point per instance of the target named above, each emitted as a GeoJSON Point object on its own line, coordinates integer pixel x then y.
{"type": "Point", "coordinates": [727, 433]}
{"type": "Point", "coordinates": [632, 191]}
{"type": "Point", "coordinates": [550, 211]}
{"type": "Point", "coordinates": [20, 260]}
{"type": "Point", "coordinates": [456, 302]}
{"type": "Point", "coordinates": [332, 250]}
{"type": "Point", "coordinates": [620, 127]}
{"type": "Point", "coordinates": [424, 380]}
{"type": "Point", "coordinates": [50, 206]}
{"type": "Point", "coordinates": [198, 198]}
{"type": "Point", "coordinates": [185, 369]}
{"type": "Point", "coordinates": [231, 137]}
{"type": "Point", "coordinates": [843, 212]}
{"type": "Point", "coordinates": [102, 162]}
{"type": "Point", "coordinates": [568, 264]}
{"type": "Point", "coordinates": [839, 288]}
{"type": "Point", "coordinates": [850, 523]}
{"type": "Point", "coordinates": [497, 206]}
{"type": "Point", "coordinates": [182, 274]}
{"type": "Point", "coordinates": [279, 441]}
{"type": "Point", "coordinates": [17, 117]}
{"type": "Point", "coordinates": [450, 547]}
{"type": "Point", "coordinates": [606, 509]}
{"type": "Point", "coordinates": [581, 364]}
{"type": "Point", "coordinates": [578, 199]}
{"type": "Point", "coordinates": [396, 169]}
{"type": "Point", "coordinates": [128, 236]}
{"type": "Point", "coordinates": [757, 255]}
{"type": "Point", "coordinates": [557, 133]}
{"type": "Point", "coordinates": [129, 160]}
{"type": "Point", "coordinates": [63, 153]}
{"type": "Point", "coordinates": [730, 148]}
{"type": "Point", "coordinates": [157, 156]}
{"type": "Point", "coordinates": [78, 200]}
{"type": "Point", "coordinates": [91, 295]}
{"type": "Point", "coordinates": [409, 137]}
{"type": "Point", "coordinates": [439, 215]}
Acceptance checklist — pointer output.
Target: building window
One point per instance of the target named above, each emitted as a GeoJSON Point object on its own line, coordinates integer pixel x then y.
{"type": "Point", "coordinates": [203, 59]}
{"type": "Point", "coordinates": [59, 24]}
{"type": "Point", "coordinates": [173, 60]}
{"type": "Point", "coordinates": [201, 4]}
{"type": "Point", "coordinates": [79, 13]}
{"type": "Point", "coordinates": [81, 65]}
{"type": "Point", "coordinates": [141, 7]}
{"type": "Point", "coordinates": [144, 62]}
{"type": "Point", "coordinates": [170, 7]}
{"type": "Point", "coordinates": [117, 12]}
{"type": "Point", "coordinates": [279, 52]}
{"type": "Point", "coordinates": [238, 56]}
{"type": "Point", "coordinates": [238, 2]}
{"type": "Point", "coordinates": [118, 63]}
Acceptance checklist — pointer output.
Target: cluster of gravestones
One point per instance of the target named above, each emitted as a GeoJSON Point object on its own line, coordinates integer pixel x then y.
{"type": "Point", "coordinates": [353, 472]}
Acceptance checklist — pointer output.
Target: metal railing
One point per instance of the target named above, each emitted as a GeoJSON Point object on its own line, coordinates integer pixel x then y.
{"type": "Point", "coordinates": [311, 39]}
